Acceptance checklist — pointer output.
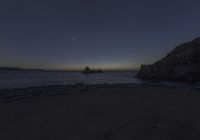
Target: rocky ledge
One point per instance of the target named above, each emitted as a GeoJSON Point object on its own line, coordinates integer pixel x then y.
{"type": "Point", "coordinates": [182, 64]}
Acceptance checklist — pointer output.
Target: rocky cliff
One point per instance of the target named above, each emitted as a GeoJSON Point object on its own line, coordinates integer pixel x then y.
{"type": "Point", "coordinates": [182, 63]}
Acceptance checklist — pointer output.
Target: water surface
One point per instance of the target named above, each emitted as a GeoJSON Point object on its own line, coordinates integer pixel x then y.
{"type": "Point", "coordinates": [22, 79]}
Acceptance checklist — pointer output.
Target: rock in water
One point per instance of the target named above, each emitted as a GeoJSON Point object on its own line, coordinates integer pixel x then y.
{"type": "Point", "coordinates": [182, 63]}
{"type": "Point", "coordinates": [87, 70]}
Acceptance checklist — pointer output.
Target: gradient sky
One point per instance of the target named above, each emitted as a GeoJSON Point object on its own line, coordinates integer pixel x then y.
{"type": "Point", "coordinates": [107, 34]}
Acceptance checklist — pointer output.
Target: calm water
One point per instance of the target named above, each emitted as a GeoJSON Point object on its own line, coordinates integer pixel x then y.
{"type": "Point", "coordinates": [22, 79]}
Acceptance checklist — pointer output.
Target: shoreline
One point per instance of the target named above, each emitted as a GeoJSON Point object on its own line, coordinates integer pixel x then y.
{"type": "Point", "coordinates": [16, 94]}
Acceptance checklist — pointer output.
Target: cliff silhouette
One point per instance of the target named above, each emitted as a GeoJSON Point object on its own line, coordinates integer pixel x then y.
{"type": "Point", "coordinates": [182, 63]}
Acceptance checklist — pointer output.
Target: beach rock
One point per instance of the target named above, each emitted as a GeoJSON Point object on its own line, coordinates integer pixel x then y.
{"type": "Point", "coordinates": [182, 64]}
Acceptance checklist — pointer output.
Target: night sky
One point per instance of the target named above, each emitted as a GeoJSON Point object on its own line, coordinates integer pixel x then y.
{"type": "Point", "coordinates": [107, 34]}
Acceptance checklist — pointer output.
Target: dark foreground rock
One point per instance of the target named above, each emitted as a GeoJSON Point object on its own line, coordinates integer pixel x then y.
{"type": "Point", "coordinates": [182, 63]}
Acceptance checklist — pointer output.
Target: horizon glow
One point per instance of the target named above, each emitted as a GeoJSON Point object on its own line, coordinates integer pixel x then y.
{"type": "Point", "coordinates": [110, 35]}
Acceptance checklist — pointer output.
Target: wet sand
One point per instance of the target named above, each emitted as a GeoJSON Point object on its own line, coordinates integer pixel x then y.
{"type": "Point", "coordinates": [101, 113]}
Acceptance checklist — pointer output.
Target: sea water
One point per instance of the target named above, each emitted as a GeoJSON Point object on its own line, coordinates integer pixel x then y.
{"type": "Point", "coordinates": [23, 79]}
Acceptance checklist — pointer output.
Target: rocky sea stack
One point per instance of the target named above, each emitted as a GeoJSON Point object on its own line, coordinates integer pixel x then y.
{"type": "Point", "coordinates": [87, 70]}
{"type": "Point", "coordinates": [182, 64]}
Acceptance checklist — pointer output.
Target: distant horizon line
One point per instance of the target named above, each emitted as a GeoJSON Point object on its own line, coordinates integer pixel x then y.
{"type": "Point", "coordinates": [64, 69]}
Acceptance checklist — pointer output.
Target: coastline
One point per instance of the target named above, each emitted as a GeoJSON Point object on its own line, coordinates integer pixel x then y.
{"type": "Point", "coordinates": [53, 90]}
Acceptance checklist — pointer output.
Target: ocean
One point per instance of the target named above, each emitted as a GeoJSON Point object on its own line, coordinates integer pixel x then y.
{"type": "Point", "coordinates": [23, 79]}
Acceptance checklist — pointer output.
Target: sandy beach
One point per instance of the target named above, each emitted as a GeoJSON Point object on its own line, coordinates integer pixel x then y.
{"type": "Point", "coordinates": [102, 113]}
